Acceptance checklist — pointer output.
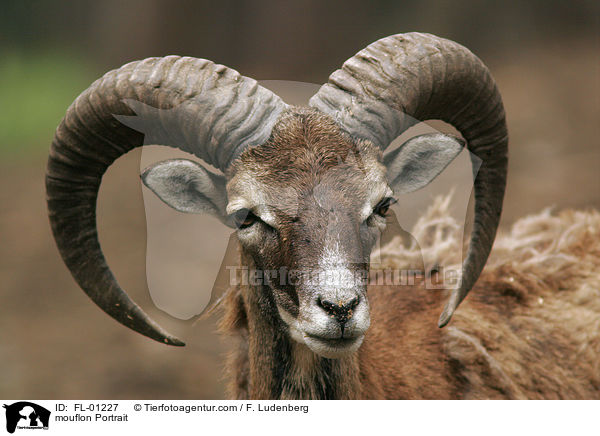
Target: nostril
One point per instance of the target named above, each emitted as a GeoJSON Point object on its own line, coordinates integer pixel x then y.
{"type": "Point", "coordinates": [328, 306]}
{"type": "Point", "coordinates": [342, 312]}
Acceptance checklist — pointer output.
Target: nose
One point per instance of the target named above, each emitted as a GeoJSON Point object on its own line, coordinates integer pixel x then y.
{"type": "Point", "coordinates": [342, 311]}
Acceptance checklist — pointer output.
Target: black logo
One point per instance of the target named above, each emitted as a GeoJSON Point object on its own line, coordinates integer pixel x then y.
{"type": "Point", "coordinates": [26, 415]}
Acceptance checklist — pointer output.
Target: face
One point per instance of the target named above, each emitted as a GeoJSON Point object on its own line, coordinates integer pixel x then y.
{"type": "Point", "coordinates": [309, 206]}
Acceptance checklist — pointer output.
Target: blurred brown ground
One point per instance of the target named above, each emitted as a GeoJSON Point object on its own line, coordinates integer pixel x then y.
{"type": "Point", "coordinates": [55, 344]}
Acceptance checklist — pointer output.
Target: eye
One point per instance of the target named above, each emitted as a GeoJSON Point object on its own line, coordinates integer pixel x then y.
{"type": "Point", "coordinates": [383, 206]}
{"type": "Point", "coordinates": [244, 218]}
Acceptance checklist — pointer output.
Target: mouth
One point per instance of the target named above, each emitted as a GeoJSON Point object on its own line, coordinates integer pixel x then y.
{"type": "Point", "coordinates": [333, 348]}
{"type": "Point", "coordinates": [326, 338]}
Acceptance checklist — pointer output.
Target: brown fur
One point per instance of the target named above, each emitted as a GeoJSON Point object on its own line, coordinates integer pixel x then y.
{"type": "Point", "coordinates": [529, 329]}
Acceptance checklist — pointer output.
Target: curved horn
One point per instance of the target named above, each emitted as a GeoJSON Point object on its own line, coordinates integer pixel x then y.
{"type": "Point", "coordinates": [200, 107]}
{"type": "Point", "coordinates": [398, 80]}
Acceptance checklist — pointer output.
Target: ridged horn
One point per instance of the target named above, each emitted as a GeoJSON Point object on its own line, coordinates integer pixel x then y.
{"type": "Point", "coordinates": [197, 106]}
{"type": "Point", "coordinates": [402, 79]}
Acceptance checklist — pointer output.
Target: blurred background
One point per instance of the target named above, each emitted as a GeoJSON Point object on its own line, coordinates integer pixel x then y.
{"type": "Point", "coordinates": [54, 343]}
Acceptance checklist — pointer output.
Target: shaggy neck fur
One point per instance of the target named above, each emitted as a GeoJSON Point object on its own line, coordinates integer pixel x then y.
{"type": "Point", "coordinates": [268, 364]}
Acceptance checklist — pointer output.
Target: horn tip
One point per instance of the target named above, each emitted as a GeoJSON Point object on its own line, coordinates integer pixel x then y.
{"type": "Point", "coordinates": [451, 306]}
{"type": "Point", "coordinates": [445, 317]}
{"type": "Point", "coordinates": [171, 340]}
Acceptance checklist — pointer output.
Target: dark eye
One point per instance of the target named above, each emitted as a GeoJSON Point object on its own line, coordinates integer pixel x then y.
{"type": "Point", "coordinates": [244, 218]}
{"type": "Point", "coordinates": [383, 206]}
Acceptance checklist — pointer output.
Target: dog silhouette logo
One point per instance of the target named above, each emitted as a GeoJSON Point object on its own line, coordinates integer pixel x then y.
{"type": "Point", "coordinates": [26, 415]}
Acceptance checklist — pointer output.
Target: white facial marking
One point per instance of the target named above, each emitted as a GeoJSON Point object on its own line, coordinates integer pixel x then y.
{"type": "Point", "coordinates": [333, 267]}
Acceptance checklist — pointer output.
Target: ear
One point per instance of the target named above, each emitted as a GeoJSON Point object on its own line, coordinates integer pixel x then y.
{"type": "Point", "coordinates": [420, 160]}
{"type": "Point", "coordinates": [187, 186]}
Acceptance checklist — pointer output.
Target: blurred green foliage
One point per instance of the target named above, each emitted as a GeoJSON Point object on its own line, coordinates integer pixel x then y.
{"type": "Point", "coordinates": [35, 91]}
